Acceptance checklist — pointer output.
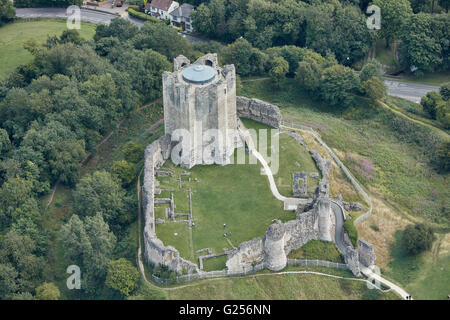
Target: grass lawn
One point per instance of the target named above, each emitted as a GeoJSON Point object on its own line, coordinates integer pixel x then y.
{"type": "Point", "coordinates": [236, 194]}
{"type": "Point", "coordinates": [279, 287]}
{"type": "Point", "coordinates": [14, 35]}
{"type": "Point", "coordinates": [291, 152]}
{"type": "Point", "coordinates": [212, 264]}
{"type": "Point", "coordinates": [180, 241]}
{"type": "Point", "coordinates": [427, 275]}
{"type": "Point", "coordinates": [317, 249]}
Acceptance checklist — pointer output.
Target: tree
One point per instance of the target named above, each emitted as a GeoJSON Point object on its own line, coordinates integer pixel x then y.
{"type": "Point", "coordinates": [8, 280]}
{"type": "Point", "coordinates": [424, 42]}
{"type": "Point", "coordinates": [394, 14]}
{"type": "Point", "coordinates": [308, 74]}
{"type": "Point", "coordinates": [247, 60]}
{"type": "Point", "coordinates": [133, 152]}
{"type": "Point", "coordinates": [5, 144]}
{"type": "Point", "coordinates": [202, 20]}
{"type": "Point", "coordinates": [443, 157]}
{"type": "Point", "coordinates": [443, 113]}
{"type": "Point", "coordinates": [14, 193]}
{"type": "Point", "coordinates": [163, 39]}
{"type": "Point", "coordinates": [430, 102]}
{"type": "Point", "coordinates": [47, 291]}
{"type": "Point", "coordinates": [339, 28]}
{"type": "Point", "coordinates": [444, 4]}
{"type": "Point", "coordinates": [65, 160]}
{"type": "Point", "coordinates": [371, 69]}
{"type": "Point", "coordinates": [102, 193]}
{"type": "Point", "coordinates": [417, 238]}
{"type": "Point", "coordinates": [421, 5]}
{"type": "Point", "coordinates": [145, 68]}
{"type": "Point", "coordinates": [20, 268]}
{"type": "Point", "coordinates": [278, 71]}
{"type": "Point", "coordinates": [122, 276]}
{"type": "Point", "coordinates": [125, 171]}
{"type": "Point", "coordinates": [7, 11]}
{"type": "Point", "coordinates": [444, 90]}
{"type": "Point", "coordinates": [374, 88]}
{"type": "Point", "coordinates": [119, 28]}
{"type": "Point", "coordinates": [90, 245]}
{"type": "Point", "coordinates": [337, 84]}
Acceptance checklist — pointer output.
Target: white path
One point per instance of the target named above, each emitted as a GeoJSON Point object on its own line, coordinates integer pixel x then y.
{"type": "Point", "coordinates": [289, 203]}
{"type": "Point", "coordinates": [370, 274]}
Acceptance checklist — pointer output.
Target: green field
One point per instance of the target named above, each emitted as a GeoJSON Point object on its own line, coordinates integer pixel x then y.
{"type": "Point", "coordinates": [14, 35]}
{"type": "Point", "coordinates": [317, 249]}
{"type": "Point", "coordinates": [236, 195]}
{"type": "Point", "coordinates": [279, 287]}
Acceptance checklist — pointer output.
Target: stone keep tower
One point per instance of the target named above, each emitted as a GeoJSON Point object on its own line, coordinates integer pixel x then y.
{"type": "Point", "coordinates": [200, 99]}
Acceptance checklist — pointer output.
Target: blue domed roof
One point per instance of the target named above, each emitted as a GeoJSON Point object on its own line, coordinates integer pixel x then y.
{"type": "Point", "coordinates": [199, 74]}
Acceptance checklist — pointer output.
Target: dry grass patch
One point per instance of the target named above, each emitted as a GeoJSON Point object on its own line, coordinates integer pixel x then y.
{"type": "Point", "coordinates": [388, 222]}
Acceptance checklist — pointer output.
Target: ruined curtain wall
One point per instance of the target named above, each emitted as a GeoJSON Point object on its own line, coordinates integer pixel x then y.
{"type": "Point", "coordinates": [258, 110]}
{"type": "Point", "coordinates": [155, 251]}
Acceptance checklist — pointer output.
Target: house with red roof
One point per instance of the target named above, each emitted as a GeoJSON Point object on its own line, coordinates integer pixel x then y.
{"type": "Point", "coordinates": [161, 8]}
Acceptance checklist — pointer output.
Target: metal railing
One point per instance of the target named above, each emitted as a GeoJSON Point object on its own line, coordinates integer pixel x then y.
{"type": "Point", "coordinates": [250, 270]}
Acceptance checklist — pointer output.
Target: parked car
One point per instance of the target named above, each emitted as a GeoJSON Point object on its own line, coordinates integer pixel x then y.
{"type": "Point", "coordinates": [119, 3]}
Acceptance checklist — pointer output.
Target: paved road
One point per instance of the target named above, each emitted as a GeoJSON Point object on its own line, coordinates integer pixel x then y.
{"type": "Point", "coordinates": [409, 91]}
{"type": "Point", "coordinates": [339, 230]}
{"type": "Point", "coordinates": [86, 15]}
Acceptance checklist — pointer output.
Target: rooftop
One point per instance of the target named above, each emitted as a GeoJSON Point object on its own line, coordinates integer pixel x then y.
{"type": "Point", "coordinates": [199, 74]}
{"type": "Point", "coordinates": [183, 11]}
{"type": "Point", "coordinates": [160, 4]}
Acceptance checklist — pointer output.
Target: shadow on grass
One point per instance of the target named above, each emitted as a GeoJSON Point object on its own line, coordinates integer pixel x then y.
{"type": "Point", "coordinates": [404, 267]}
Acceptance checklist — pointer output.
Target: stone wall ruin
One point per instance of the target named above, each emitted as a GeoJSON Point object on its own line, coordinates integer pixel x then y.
{"type": "Point", "coordinates": [258, 110]}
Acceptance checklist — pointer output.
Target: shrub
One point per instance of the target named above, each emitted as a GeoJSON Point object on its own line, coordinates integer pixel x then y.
{"type": "Point", "coordinates": [142, 16]}
{"type": "Point", "coordinates": [47, 291]}
{"type": "Point", "coordinates": [445, 91]}
{"type": "Point", "coordinates": [122, 276]}
{"type": "Point", "coordinates": [125, 171]}
{"type": "Point", "coordinates": [350, 228]}
{"type": "Point", "coordinates": [417, 238]}
{"type": "Point", "coordinates": [133, 152]}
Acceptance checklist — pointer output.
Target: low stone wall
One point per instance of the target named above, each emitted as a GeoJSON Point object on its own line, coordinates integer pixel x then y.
{"type": "Point", "coordinates": [258, 110]}
{"type": "Point", "coordinates": [155, 251]}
